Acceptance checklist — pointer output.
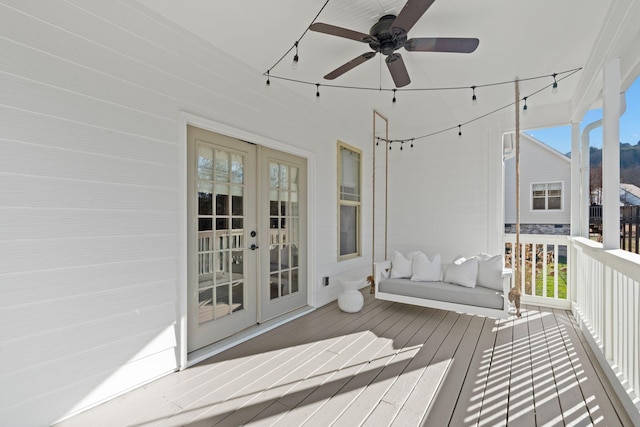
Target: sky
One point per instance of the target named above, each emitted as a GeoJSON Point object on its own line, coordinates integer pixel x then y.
{"type": "Point", "coordinates": [560, 137]}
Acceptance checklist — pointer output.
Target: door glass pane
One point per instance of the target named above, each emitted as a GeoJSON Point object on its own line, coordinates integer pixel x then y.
{"type": "Point", "coordinates": [284, 177]}
{"type": "Point", "coordinates": [222, 267]}
{"type": "Point", "coordinates": [237, 169]}
{"type": "Point", "coordinates": [274, 284]}
{"type": "Point", "coordinates": [222, 301]}
{"type": "Point", "coordinates": [205, 197]}
{"type": "Point", "coordinates": [222, 199]}
{"type": "Point", "coordinates": [284, 198]}
{"type": "Point", "coordinates": [284, 257]}
{"type": "Point", "coordinates": [237, 264]}
{"type": "Point", "coordinates": [221, 166]}
{"type": "Point", "coordinates": [294, 230]}
{"type": "Point", "coordinates": [205, 163]}
{"type": "Point", "coordinates": [284, 283]}
{"type": "Point", "coordinates": [293, 178]}
{"type": "Point", "coordinates": [274, 261]}
{"type": "Point", "coordinates": [294, 281]}
{"type": "Point", "coordinates": [205, 306]}
{"type": "Point", "coordinates": [236, 200]}
{"type": "Point", "coordinates": [294, 255]}
{"type": "Point", "coordinates": [274, 175]}
{"type": "Point", "coordinates": [237, 297]}
{"type": "Point", "coordinates": [295, 207]}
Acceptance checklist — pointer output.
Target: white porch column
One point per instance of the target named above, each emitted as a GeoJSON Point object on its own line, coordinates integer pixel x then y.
{"type": "Point", "coordinates": [611, 155]}
{"type": "Point", "coordinates": [577, 191]}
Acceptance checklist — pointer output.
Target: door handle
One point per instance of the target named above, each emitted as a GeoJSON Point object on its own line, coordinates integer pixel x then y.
{"type": "Point", "coordinates": [253, 247]}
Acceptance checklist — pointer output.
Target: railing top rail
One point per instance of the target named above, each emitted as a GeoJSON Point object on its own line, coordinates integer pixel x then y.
{"type": "Point", "coordinates": [538, 238]}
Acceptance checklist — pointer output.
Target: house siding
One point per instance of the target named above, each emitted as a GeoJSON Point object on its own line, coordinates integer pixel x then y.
{"type": "Point", "coordinates": [428, 191]}
{"type": "Point", "coordinates": [90, 197]}
{"type": "Point", "coordinates": [538, 164]}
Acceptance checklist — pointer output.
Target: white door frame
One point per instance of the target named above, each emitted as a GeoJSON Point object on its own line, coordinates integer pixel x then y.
{"type": "Point", "coordinates": [185, 119]}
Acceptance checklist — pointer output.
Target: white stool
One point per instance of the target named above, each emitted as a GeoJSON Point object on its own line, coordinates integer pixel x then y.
{"type": "Point", "coordinates": [351, 299]}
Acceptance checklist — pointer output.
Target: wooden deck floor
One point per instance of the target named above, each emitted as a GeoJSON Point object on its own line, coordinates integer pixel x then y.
{"type": "Point", "coordinates": [389, 365]}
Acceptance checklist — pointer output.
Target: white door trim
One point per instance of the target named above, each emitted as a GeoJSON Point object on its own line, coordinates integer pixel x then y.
{"type": "Point", "coordinates": [186, 118]}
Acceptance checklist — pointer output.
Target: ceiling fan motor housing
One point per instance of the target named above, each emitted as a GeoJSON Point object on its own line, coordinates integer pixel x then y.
{"type": "Point", "coordinates": [387, 40]}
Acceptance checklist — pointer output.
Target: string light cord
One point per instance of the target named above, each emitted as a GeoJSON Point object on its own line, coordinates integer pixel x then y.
{"type": "Point", "coordinates": [458, 126]}
{"type": "Point", "coordinates": [295, 45]}
{"type": "Point", "coordinates": [444, 88]}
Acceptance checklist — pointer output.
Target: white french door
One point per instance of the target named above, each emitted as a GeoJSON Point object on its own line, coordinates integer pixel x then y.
{"type": "Point", "coordinates": [283, 250]}
{"type": "Point", "coordinates": [246, 236]}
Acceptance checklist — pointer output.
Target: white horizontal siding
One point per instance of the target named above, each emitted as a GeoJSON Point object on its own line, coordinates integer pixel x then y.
{"type": "Point", "coordinates": [90, 99]}
{"type": "Point", "coordinates": [440, 193]}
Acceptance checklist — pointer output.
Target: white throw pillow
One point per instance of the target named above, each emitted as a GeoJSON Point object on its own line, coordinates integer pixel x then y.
{"type": "Point", "coordinates": [425, 270]}
{"type": "Point", "coordinates": [401, 265]}
{"type": "Point", "coordinates": [463, 272]}
{"type": "Point", "coordinates": [490, 271]}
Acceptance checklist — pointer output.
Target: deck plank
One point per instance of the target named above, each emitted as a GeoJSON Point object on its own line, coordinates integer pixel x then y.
{"type": "Point", "coordinates": [367, 363]}
{"type": "Point", "coordinates": [495, 400]}
{"type": "Point", "coordinates": [429, 368]}
{"type": "Point", "coordinates": [595, 389]}
{"type": "Point", "coordinates": [521, 410]}
{"type": "Point", "coordinates": [389, 364]}
{"type": "Point", "coordinates": [441, 409]}
{"type": "Point", "coordinates": [469, 402]}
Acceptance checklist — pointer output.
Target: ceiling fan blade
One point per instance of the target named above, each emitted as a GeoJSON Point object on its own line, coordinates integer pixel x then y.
{"type": "Point", "coordinates": [410, 13]}
{"type": "Point", "coordinates": [340, 32]}
{"type": "Point", "coordinates": [349, 65]}
{"type": "Point", "coordinates": [398, 70]}
{"type": "Point", "coordinates": [442, 44]}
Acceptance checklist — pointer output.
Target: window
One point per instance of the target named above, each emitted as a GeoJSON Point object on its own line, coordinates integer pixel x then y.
{"type": "Point", "coordinates": [349, 201]}
{"type": "Point", "coordinates": [547, 196]}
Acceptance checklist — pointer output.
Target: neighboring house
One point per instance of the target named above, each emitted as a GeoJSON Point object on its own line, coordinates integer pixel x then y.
{"type": "Point", "coordinates": [545, 187]}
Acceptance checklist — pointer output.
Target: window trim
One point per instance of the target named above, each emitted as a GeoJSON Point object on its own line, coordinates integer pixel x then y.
{"type": "Point", "coordinates": [546, 196]}
{"type": "Point", "coordinates": [358, 204]}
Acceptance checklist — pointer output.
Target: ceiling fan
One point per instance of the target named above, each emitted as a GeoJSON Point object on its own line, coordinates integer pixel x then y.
{"type": "Point", "coordinates": [390, 34]}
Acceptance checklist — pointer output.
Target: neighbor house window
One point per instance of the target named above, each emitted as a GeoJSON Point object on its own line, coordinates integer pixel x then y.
{"type": "Point", "coordinates": [349, 200]}
{"type": "Point", "coordinates": [546, 196]}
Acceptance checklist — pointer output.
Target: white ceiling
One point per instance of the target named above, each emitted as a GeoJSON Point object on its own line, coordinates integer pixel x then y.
{"type": "Point", "coordinates": [518, 39]}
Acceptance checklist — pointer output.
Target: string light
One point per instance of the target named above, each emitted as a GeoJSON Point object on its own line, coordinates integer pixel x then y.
{"type": "Point", "coordinates": [318, 92]}
{"type": "Point", "coordinates": [294, 64]}
{"type": "Point", "coordinates": [564, 74]}
{"type": "Point", "coordinates": [525, 108]}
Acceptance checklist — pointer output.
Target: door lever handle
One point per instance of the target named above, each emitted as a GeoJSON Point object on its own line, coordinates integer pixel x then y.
{"type": "Point", "coordinates": [253, 247]}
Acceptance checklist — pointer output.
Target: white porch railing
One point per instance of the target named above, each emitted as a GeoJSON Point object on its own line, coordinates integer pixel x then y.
{"type": "Point", "coordinates": [544, 267]}
{"type": "Point", "coordinates": [607, 305]}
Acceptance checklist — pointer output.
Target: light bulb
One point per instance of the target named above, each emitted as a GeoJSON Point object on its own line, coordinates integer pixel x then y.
{"type": "Point", "coordinates": [294, 64]}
